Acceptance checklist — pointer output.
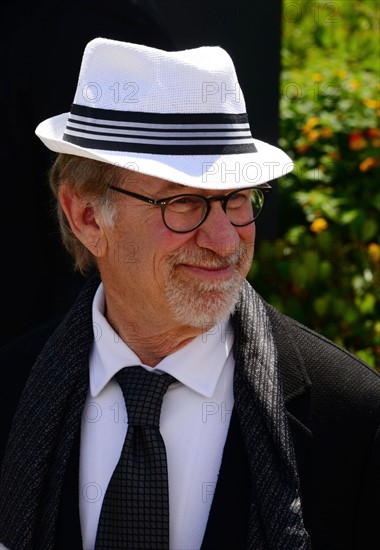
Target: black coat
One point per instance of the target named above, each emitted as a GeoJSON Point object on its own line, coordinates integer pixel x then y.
{"type": "Point", "coordinates": [333, 405]}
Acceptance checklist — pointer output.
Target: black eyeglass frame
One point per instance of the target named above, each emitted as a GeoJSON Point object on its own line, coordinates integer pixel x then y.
{"type": "Point", "coordinates": [163, 203]}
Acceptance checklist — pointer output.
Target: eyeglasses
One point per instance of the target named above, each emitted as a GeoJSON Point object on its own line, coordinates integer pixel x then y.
{"type": "Point", "coordinates": [184, 213]}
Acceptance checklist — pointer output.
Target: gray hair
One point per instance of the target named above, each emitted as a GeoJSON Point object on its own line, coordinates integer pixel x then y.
{"type": "Point", "coordinates": [90, 179]}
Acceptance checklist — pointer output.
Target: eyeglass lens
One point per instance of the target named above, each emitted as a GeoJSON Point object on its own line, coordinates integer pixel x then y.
{"type": "Point", "coordinates": [188, 211]}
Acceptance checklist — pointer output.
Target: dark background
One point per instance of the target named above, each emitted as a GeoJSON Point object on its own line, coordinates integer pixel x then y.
{"type": "Point", "coordinates": [41, 50]}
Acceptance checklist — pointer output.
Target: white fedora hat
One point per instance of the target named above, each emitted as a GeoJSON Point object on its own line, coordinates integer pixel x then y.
{"type": "Point", "coordinates": [180, 116]}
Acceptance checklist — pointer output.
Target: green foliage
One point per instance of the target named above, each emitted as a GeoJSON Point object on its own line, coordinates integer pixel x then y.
{"type": "Point", "coordinates": [325, 268]}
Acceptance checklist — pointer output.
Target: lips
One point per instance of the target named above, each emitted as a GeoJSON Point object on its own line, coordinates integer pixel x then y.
{"type": "Point", "coordinates": [207, 265]}
{"type": "Point", "coordinates": [224, 271]}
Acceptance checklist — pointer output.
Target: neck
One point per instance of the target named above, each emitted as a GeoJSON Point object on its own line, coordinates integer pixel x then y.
{"type": "Point", "coordinates": [152, 337]}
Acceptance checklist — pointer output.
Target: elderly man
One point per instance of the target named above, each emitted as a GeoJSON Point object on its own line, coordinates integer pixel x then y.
{"type": "Point", "coordinates": [172, 407]}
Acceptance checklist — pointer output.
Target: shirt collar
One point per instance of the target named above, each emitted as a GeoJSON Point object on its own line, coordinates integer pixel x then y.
{"type": "Point", "coordinates": [198, 365]}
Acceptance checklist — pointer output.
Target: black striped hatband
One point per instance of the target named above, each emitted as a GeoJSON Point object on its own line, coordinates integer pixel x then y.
{"type": "Point", "coordinates": [159, 133]}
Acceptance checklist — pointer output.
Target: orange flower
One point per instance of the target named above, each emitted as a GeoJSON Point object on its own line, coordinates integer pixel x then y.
{"type": "Point", "coordinates": [341, 73]}
{"type": "Point", "coordinates": [368, 163]}
{"type": "Point", "coordinates": [356, 141]}
{"type": "Point", "coordinates": [319, 225]}
{"type": "Point", "coordinates": [371, 103]}
{"type": "Point", "coordinates": [374, 252]}
{"type": "Point", "coordinates": [302, 148]}
{"type": "Point", "coordinates": [373, 132]}
{"type": "Point", "coordinates": [313, 135]}
{"type": "Point", "coordinates": [310, 123]}
{"type": "Point", "coordinates": [317, 77]}
{"type": "Point", "coordinates": [326, 132]}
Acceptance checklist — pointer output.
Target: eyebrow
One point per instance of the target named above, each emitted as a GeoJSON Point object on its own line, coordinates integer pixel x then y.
{"type": "Point", "coordinates": [174, 187]}
{"type": "Point", "coordinates": [178, 188]}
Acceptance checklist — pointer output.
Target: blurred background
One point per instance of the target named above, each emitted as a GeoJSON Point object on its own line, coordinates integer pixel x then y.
{"type": "Point", "coordinates": [310, 75]}
{"type": "Point", "coordinates": [323, 268]}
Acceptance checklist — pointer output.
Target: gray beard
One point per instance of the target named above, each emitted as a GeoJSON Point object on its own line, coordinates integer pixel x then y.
{"type": "Point", "coordinates": [203, 304]}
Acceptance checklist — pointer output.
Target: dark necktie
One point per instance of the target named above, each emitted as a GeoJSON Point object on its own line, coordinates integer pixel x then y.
{"type": "Point", "coordinates": [135, 511]}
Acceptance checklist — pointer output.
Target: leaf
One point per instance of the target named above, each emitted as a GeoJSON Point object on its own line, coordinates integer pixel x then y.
{"type": "Point", "coordinates": [349, 216]}
{"type": "Point", "coordinates": [321, 305]}
{"type": "Point", "coordinates": [369, 229]}
{"type": "Point", "coordinates": [366, 304]}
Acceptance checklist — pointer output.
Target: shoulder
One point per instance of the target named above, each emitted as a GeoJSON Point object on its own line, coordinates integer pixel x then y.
{"type": "Point", "coordinates": [307, 358]}
{"type": "Point", "coordinates": [342, 388]}
{"type": "Point", "coordinates": [321, 356]}
{"type": "Point", "coordinates": [334, 397]}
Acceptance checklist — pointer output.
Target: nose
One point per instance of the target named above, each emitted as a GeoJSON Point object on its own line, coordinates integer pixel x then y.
{"type": "Point", "coordinates": [217, 233]}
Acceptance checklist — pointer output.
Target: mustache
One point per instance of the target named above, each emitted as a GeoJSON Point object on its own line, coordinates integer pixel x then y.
{"type": "Point", "coordinates": [209, 259]}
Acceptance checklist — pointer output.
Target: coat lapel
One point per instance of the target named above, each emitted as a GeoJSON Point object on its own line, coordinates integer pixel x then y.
{"type": "Point", "coordinates": [297, 386]}
{"type": "Point", "coordinates": [275, 512]}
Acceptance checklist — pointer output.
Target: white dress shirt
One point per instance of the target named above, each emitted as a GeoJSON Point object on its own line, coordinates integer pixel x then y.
{"type": "Point", "coordinates": [195, 417]}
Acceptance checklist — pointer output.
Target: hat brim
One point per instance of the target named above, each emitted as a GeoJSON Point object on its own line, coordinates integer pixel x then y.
{"type": "Point", "coordinates": [199, 171]}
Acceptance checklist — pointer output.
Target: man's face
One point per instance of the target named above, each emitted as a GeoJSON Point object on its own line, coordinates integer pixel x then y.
{"type": "Point", "coordinates": [188, 279]}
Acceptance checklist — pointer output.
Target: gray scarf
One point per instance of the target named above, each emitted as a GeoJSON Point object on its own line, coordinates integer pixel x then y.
{"type": "Point", "coordinates": [44, 431]}
{"type": "Point", "coordinates": [276, 520]}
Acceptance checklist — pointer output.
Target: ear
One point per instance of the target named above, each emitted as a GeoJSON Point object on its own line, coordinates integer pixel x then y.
{"type": "Point", "coordinates": [83, 220]}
